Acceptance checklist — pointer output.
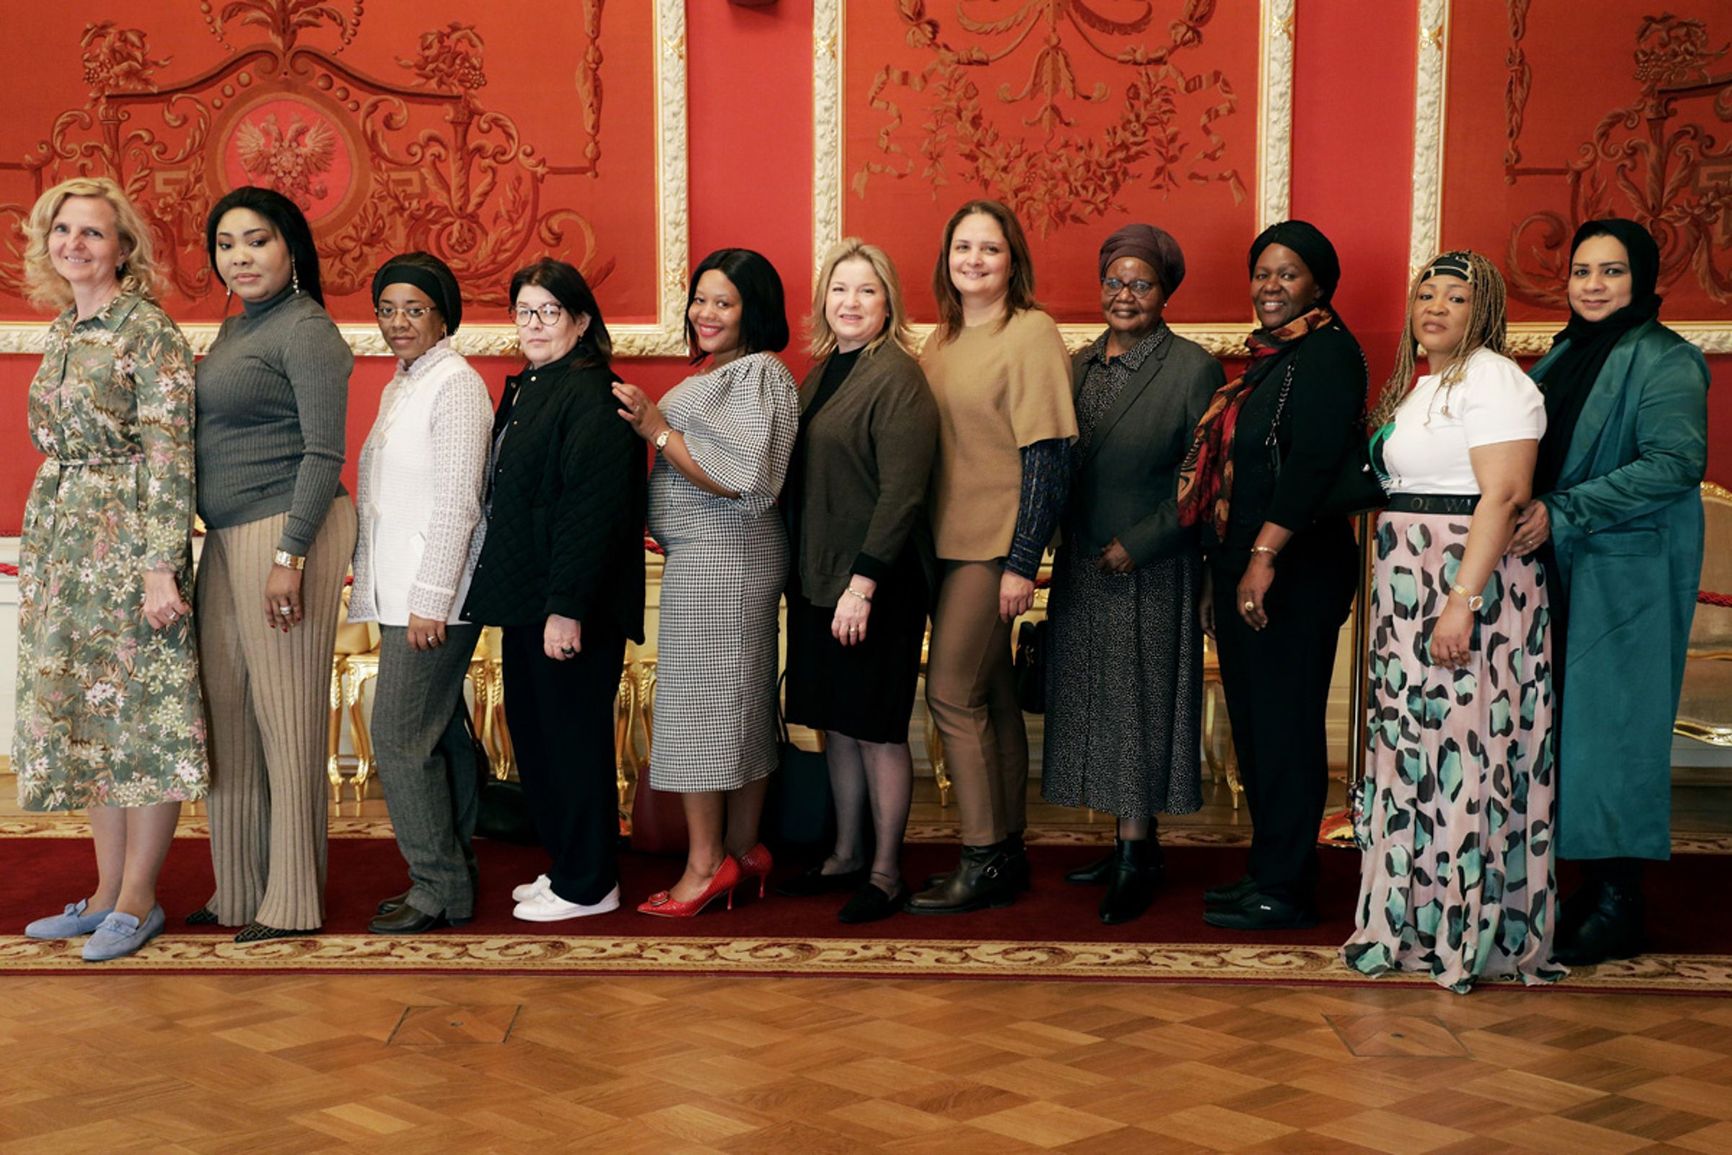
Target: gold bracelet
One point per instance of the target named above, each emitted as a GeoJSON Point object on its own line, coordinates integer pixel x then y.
{"type": "Point", "coordinates": [1270, 550]}
{"type": "Point", "coordinates": [289, 560]}
{"type": "Point", "coordinates": [867, 598]}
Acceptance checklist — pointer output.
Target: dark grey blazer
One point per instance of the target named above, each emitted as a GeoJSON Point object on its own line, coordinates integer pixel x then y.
{"type": "Point", "coordinates": [1126, 481]}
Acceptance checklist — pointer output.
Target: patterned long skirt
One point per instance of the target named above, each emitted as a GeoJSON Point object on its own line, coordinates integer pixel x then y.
{"type": "Point", "coordinates": [1458, 803]}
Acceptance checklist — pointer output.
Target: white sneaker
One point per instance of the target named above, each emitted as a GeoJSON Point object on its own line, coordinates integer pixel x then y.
{"type": "Point", "coordinates": [530, 889]}
{"type": "Point", "coordinates": [546, 906]}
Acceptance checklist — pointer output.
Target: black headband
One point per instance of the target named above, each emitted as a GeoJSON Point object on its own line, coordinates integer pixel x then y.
{"type": "Point", "coordinates": [441, 290]}
{"type": "Point", "coordinates": [1450, 264]}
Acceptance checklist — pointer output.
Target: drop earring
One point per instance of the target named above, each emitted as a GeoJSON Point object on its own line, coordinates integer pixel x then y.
{"type": "Point", "coordinates": [295, 278]}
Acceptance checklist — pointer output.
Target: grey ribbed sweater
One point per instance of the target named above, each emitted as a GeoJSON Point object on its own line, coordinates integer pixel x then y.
{"type": "Point", "coordinates": [273, 400]}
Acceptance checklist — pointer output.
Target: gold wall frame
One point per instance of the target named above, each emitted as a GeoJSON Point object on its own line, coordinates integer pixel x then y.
{"type": "Point", "coordinates": [1274, 153]}
{"type": "Point", "coordinates": [1430, 104]}
{"type": "Point", "coordinates": [664, 337]}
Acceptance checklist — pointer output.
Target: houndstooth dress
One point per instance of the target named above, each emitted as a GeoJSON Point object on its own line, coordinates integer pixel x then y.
{"type": "Point", "coordinates": [727, 560]}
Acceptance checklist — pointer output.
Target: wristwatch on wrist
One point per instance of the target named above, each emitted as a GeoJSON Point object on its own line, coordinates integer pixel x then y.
{"type": "Point", "coordinates": [1474, 601]}
{"type": "Point", "coordinates": [661, 441]}
{"type": "Point", "coordinates": [289, 560]}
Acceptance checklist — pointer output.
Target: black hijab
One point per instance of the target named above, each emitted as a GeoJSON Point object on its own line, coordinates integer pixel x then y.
{"type": "Point", "coordinates": [1571, 377]}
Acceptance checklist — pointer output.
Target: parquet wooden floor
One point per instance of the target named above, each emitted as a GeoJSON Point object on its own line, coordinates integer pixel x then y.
{"type": "Point", "coordinates": [118, 1063]}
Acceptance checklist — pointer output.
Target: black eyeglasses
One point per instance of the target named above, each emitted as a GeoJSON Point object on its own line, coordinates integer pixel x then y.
{"type": "Point", "coordinates": [413, 312]}
{"type": "Point", "coordinates": [1139, 288]}
{"type": "Point", "coordinates": [549, 313]}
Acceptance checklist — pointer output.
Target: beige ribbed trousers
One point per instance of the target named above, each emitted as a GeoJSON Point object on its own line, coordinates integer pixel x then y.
{"type": "Point", "coordinates": [268, 697]}
{"type": "Point", "coordinates": [971, 694]}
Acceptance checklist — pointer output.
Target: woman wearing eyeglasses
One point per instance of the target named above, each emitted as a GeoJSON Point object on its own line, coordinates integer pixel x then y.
{"type": "Point", "coordinates": [1125, 689]}
{"type": "Point", "coordinates": [418, 496]}
{"type": "Point", "coordinates": [562, 571]}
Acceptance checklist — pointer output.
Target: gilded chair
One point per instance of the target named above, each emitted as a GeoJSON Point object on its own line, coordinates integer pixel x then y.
{"type": "Point", "coordinates": [1218, 752]}
{"type": "Point", "coordinates": [1705, 707]}
{"type": "Point", "coordinates": [355, 641]}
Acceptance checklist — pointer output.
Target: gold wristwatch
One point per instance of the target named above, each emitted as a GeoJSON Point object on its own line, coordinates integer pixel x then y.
{"type": "Point", "coordinates": [1474, 601]}
{"type": "Point", "coordinates": [661, 441]}
{"type": "Point", "coordinates": [289, 560]}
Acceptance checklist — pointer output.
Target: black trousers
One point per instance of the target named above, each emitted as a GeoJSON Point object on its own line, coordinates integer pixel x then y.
{"type": "Point", "coordinates": [561, 719]}
{"type": "Point", "coordinates": [1277, 686]}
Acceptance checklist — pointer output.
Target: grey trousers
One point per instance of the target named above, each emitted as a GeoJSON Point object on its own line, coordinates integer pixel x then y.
{"type": "Point", "coordinates": [427, 765]}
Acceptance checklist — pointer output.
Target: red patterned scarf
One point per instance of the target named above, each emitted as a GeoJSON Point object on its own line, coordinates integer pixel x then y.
{"type": "Point", "coordinates": [1206, 477]}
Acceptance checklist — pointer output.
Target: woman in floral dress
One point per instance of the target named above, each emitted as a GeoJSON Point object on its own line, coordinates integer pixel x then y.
{"type": "Point", "coordinates": [110, 717]}
{"type": "Point", "coordinates": [1457, 818]}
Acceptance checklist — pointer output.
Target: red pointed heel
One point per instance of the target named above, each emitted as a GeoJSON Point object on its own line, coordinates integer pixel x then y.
{"type": "Point", "coordinates": [662, 903]}
{"type": "Point", "coordinates": [757, 863]}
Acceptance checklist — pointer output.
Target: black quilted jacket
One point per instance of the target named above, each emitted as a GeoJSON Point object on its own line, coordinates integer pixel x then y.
{"type": "Point", "coordinates": [568, 491]}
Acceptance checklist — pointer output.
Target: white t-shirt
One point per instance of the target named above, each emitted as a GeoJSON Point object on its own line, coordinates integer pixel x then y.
{"type": "Point", "coordinates": [1427, 451]}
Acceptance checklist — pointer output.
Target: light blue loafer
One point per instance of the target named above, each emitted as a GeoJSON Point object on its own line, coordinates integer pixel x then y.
{"type": "Point", "coordinates": [120, 934]}
{"type": "Point", "coordinates": [69, 923]}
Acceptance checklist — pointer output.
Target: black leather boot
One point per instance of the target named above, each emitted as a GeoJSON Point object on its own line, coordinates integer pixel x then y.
{"type": "Point", "coordinates": [1573, 911]}
{"type": "Point", "coordinates": [979, 882]}
{"type": "Point", "coordinates": [1612, 930]}
{"type": "Point", "coordinates": [1137, 874]}
{"type": "Point", "coordinates": [1096, 873]}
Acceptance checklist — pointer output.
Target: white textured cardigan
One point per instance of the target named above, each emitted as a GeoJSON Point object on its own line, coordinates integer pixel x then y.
{"type": "Point", "coordinates": [421, 480]}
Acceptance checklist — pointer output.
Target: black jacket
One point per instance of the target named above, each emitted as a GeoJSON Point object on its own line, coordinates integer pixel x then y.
{"type": "Point", "coordinates": [567, 493]}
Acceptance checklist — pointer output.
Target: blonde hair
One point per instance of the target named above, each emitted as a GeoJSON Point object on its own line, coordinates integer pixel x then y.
{"type": "Point", "coordinates": [1486, 329]}
{"type": "Point", "coordinates": [137, 269]}
{"type": "Point", "coordinates": [896, 330]}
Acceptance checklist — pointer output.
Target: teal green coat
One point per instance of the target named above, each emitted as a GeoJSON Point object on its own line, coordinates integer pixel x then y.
{"type": "Point", "coordinates": [1626, 524]}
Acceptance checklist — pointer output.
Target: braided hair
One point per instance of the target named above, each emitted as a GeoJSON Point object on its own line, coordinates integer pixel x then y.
{"type": "Point", "coordinates": [1486, 325]}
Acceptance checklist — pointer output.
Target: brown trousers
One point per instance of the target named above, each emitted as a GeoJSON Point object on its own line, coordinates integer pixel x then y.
{"type": "Point", "coordinates": [268, 697]}
{"type": "Point", "coordinates": [971, 693]}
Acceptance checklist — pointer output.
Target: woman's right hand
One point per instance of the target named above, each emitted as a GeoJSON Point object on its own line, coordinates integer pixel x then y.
{"type": "Point", "coordinates": [562, 637]}
{"type": "Point", "coordinates": [163, 605]}
{"type": "Point", "coordinates": [283, 598]}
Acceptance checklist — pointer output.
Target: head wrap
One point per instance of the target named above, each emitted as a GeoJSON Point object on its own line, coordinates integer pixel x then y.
{"type": "Point", "coordinates": [1313, 248]}
{"type": "Point", "coordinates": [429, 274]}
{"type": "Point", "coordinates": [1451, 264]}
{"type": "Point", "coordinates": [1154, 246]}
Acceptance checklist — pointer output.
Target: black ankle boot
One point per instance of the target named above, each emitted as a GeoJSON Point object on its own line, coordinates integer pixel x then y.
{"type": "Point", "coordinates": [1612, 930]}
{"type": "Point", "coordinates": [1136, 874]}
{"type": "Point", "coordinates": [1573, 911]}
{"type": "Point", "coordinates": [1096, 873]}
{"type": "Point", "coordinates": [979, 882]}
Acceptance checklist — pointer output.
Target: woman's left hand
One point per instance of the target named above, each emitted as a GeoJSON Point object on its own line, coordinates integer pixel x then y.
{"type": "Point", "coordinates": [562, 637]}
{"type": "Point", "coordinates": [1115, 558]}
{"type": "Point", "coordinates": [644, 415]}
{"type": "Point", "coordinates": [1254, 589]}
{"type": "Point", "coordinates": [425, 633]}
{"type": "Point", "coordinates": [1452, 635]}
{"type": "Point", "coordinates": [283, 598]}
{"type": "Point", "coordinates": [1015, 596]}
{"type": "Point", "coordinates": [163, 605]}
{"type": "Point", "coordinates": [848, 624]}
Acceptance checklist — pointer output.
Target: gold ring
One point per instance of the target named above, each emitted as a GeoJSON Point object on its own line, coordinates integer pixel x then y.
{"type": "Point", "coordinates": [1249, 606]}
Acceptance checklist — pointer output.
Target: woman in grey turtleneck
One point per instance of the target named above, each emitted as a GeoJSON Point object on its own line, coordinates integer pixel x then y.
{"type": "Point", "coordinates": [272, 398]}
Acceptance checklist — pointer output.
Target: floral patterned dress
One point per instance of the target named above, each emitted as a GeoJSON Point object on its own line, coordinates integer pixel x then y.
{"type": "Point", "coordinates": [109, 710]}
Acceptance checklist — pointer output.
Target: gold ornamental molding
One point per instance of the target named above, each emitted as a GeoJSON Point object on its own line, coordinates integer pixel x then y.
{"type": "Point", "coordinates": [1431, 93]}
{"type": "Point", "coordinates": [665, 336]}
{"type": "Point", "coordinates": [1274, 159]}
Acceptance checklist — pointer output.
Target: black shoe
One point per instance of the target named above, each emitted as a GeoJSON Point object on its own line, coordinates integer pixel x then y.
{"type": "Point", "coordinates": [1096, 873]}
{"type": "Point", "coordinates": [393, 904]}
{"type": "Point", "coordinates": [259, 932]}
{"type": "Point", "coordinates": [1137, 874]}
{"type": "Point", "coordinates": [870, 903]}
{"type": "Point", "coordinates": [1257, 911]}
{"type": "Point", "coordinates": [1612, 930]}
{"type": "Point", "coordinates": [979, 882]}
{"type": "Point", "coordinates": [405, 919]}
{"type": "Point", "coordinates": [1573, 911]}
{"type": "Point", "coordinates": [815, 881]}
{"type": "Point", "coordinates": [203, 916]}
{"type": "Point", "coordinates": [1232, 894]}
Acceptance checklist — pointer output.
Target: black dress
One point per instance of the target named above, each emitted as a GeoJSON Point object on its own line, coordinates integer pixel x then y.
{"type": "Point", "coordinates": [1276, 680]}
{"type": "Point", "coordinates": [864, 691]}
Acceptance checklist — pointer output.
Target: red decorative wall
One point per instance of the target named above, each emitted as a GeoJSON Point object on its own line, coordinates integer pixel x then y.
{"type": "Point", "coordinates": [749, 84]}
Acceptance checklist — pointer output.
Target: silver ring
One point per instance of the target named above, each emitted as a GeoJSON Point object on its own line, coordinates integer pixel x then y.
{"type": "Point", "coordinates": [284, 610]}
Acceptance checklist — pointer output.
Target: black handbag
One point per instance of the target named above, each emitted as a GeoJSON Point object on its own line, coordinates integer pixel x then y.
{"type": "Point", "coordinates": [798, 808]}
{"type": "Point", "coordinates": [501, 812]}
{"type": "Point", "coordinates": [1030, 666]}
